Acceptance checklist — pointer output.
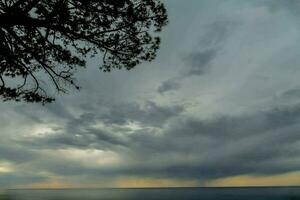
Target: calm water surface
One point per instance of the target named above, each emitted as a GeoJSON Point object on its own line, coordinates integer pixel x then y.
{"type": "Point", "coordinates": [287, 193]}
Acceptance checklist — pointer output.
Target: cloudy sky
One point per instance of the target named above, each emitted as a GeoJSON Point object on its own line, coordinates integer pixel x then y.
{"type": "Point", "coordinates": [220, 106]}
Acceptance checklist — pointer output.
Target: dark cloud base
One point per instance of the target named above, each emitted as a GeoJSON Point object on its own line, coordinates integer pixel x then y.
{"type": "Point", "coordinates": [262, 143]}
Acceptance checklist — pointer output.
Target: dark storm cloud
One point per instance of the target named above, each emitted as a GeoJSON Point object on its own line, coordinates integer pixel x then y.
{"type": "Point", "coordinates": [227, 127]}
{"type": "Point", "coordinates": [213, 36]}
{"type": "Point", "coordinates": [220, 147]}
{"type": "Point", "coordinates": [262, 143]}
{"type": "Point", "coordinates": [80, 132]}
{"type": "Point", "coordinates": [291, 94]}
{"type": "Point", "coordinates": [225, 146]}
{"type": "Point", "coordinates": [15, 154]}
{"type": "Point", "coordinates": [199, 62]}
{"type": "Point", "coordinates": [169, 85]}
{"type": "Point", "coordinates": [217, 32]}
{"type": "Point", "coordinates": [84, 139]}
{"type": "Point", "coordinates": [150, 114]}
{"type": "Point", "coordinates": [196, 64]}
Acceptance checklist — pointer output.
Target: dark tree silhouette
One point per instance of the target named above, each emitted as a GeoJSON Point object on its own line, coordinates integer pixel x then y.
{"type": "Point", "coordinates": [43, 42]}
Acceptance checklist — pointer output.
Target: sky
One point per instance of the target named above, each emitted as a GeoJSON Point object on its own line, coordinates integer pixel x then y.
{"type": "Point", "coordinates": [219, 106]}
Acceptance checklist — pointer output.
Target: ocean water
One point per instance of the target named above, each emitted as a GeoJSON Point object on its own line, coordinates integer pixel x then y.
{"type": "Point", "coordinates": [278, 193]}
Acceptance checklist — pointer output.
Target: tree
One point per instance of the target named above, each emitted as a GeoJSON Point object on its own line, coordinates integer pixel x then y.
{"type": "Point", "coordinates": [52, 38]}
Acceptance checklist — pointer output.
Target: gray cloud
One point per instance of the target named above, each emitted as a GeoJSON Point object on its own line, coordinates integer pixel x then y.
{"type": "Point", "coordinates": [80, 132]}
{"type": "Point", "coordinates": [150, 114]}
{"type": "Point", "coordinates": [196, 64]}
{"type": "Point", "coordinates": [169, 85]}
{"type": "Point", "coordinates": [224, 146]}
{"type": "Point", "coordinates": [11, 180]}
{"type": "Point", "coordinates": [217, 32]}
{"type": "Point", "coordinates": [291, 5]}
{"type": "Point", "coordinates": [193, 148]}
{"type": "Point", "coordinates": [199, 62]}
{"type": "Point", "coordinates": [291, 94]}
{"type": "Point", "coordinates": [15, 154]}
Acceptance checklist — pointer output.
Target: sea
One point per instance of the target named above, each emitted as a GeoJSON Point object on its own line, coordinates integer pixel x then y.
{"type": "Point", "coordinates": [252, 193]}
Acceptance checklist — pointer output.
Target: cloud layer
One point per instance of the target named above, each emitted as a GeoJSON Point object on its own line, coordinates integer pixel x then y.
{"type": "Point", "coordinates": [220, 105]}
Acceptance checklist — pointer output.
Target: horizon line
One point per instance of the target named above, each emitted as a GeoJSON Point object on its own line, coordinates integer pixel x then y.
{"type": "Point", "coordinates": [192, 187]}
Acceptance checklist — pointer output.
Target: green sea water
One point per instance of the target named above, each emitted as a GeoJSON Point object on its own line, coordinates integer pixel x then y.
{"type": "Point", "coordinates": [270, 193]}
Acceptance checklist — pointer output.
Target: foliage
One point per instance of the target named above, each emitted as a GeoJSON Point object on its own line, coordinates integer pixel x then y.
{"type": "Point", "coordinates": [43, 42]}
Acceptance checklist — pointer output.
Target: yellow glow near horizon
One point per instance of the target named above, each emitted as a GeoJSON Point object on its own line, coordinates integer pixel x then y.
{"type": "Point", "coordinates": [51, 185]}
{"type": "Point", "coordinates": [287, 179]}
{"type": "Point", "coordinates": [6, 168]}
{"type": "Point", "coordinates": [118, 183]}
{"type": "Point", "coordinates": [152, 182]}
